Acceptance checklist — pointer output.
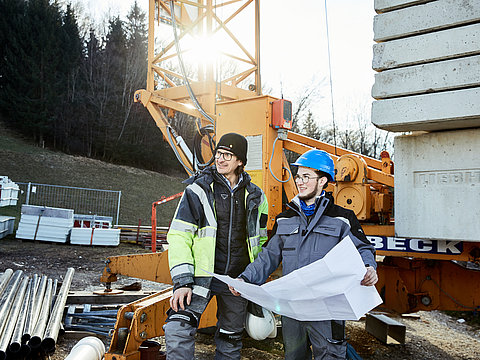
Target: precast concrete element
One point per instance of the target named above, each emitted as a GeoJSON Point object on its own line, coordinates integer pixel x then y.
{"type": "Point", "coordinates": [421, 49]}
{"type": "Point", "coordinates": [428, 60]}
{"type": "Point", "coordinates": [437, 185]}
{"type": "Point", "coordinates": [428, 17]}
{"type": "Point", "coordinates": [53, 326]}
{"type": "Point", "coordinates": [4, 279]}
{"type": "Point", "coordinates": [11, 321]}
{"type": "Point", "coordinates": [37, 335]}
{"type": "Point", "coordinates": [389, 5]}
{"type": "Point", "coordinates": [428, 78]}
{"type": "Point", "coordinates": [89, 348]}
{"type": "Point", "coordinates": [446, 110]}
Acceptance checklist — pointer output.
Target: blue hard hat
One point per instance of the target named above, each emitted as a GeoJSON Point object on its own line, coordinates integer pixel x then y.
{"type": "Point", "coordinates": [317, 160]}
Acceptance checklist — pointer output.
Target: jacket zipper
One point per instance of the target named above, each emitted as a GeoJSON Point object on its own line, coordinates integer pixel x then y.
{"type": "Point", "coordinates": [227, 265]}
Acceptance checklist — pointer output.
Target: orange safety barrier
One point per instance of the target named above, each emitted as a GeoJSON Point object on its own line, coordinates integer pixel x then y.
{"type": "Point", "coordinates": [162, 200]}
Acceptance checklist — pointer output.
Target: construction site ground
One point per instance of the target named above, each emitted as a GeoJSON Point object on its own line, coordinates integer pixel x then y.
{"type": "Point", "coordinates": [429, 335]}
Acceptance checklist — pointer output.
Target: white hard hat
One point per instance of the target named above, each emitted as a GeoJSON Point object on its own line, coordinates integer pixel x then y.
{"type": "Point", "coordinates": [259, 328]}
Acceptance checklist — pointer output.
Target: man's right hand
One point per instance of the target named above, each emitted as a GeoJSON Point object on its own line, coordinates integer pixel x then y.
{"type": "Point", "coordinates": [232, 289]}
{"type": "Point", "coordinates": [179, 296]}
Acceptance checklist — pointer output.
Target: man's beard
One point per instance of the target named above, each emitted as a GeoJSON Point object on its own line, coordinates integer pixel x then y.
{"type": "Point", "coordinates": [312, 194]}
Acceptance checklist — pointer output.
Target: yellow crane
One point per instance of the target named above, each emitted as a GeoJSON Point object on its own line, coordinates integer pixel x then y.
{"type": "Point", "coordinates": [220, 104]}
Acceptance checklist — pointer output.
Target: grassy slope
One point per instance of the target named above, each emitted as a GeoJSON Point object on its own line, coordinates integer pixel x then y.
{"type": "Point", "coordinates": [23, 162]}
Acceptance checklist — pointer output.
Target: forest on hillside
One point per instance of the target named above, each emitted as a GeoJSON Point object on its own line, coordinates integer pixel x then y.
{"type": "Point", "coordinates": [71, 89]}
{"type": "Point", "coordinates": [74, 93]}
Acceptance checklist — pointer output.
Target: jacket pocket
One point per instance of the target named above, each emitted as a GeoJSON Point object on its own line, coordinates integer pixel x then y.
{"type": "Point", "coordinates": [287, 229]}
{"type": "Point", "coordinates": [326, 237]}
{"type": "Point", "coordinates": [290, 237]}
{"type": "Point", "coordinates": [327, 230]}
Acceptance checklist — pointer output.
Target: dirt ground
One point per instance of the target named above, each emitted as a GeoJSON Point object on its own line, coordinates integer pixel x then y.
{"type": "Point", "coordinates": [431, 335]}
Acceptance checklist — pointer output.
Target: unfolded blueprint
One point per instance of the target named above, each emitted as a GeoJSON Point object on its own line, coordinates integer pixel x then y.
{"type": "Point", "coordinates": [327, 289]}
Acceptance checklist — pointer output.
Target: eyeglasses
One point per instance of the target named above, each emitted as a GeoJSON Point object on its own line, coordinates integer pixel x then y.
{"type": "Point", "coordinates": [305, 178]}
{"type": "Point", "coordinates": [226, 155]}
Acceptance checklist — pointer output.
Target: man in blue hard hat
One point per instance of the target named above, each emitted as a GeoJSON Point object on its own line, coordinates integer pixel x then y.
{"type": "Point", "coordinates": [310, 227]}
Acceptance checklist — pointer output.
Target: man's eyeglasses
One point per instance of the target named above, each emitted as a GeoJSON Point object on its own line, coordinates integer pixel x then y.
{"type": "Point", "coordinates": [226, 155]}
{"type": "Point", "coordinates": [304, 178]}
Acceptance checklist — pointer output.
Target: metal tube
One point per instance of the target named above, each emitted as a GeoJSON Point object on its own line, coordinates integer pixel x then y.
{"type": "Point", "coordinates": [4, 279]}
{"type": "Point", "coordinates": [28, 326]}
{"type": "Point", "coordinates": [54, 292]}
{"type": "Point", "coordinates": [7, 298]}
{"type": "Point", "coordinates": [53, 326]}
{"type": "Point", "coordinates": [16, 342]}
{"type": "Point", "coordinates": [37, 304]}
{"type": "Point", "coordinates": [12, 317]}
{"type": "Point", "coordinates": [37, 335]}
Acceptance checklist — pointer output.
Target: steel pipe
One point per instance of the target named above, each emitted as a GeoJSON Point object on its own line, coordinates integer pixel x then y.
{"type": "Point", "coordinates": [28, 327]}
{"type": "Point", "coordinates": [34, 310]}
{"type": "Point", "coordinates": [4, 279]}
{"type": "Point", "coordinates": [6, 301]}
{"type": "Point", "coordinates": [15, 346]}
{"type": "Point", "coordinates": [89, 348]}
{"type": "Point", "coordinates": [54, 293]}
{"type": "Point", "coordinates": [37, 335]}
{"type": "Point", "coordinates": [53, 326]}
{"type": "Point", "coordinates": [12, 318]}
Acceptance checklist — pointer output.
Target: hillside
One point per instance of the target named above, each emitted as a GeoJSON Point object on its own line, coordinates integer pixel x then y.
{"type": "Point", "coordinates": [23, 162]}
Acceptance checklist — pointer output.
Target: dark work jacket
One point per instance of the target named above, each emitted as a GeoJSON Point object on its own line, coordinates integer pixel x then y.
{"type": "Point", "coordinates": [298, 241]}
{"type": "Point", "coordinates": [231, 253]}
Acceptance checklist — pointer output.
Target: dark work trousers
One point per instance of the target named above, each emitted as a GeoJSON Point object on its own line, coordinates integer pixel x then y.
{"type": "Point", "coordinates": [231, 313]}
{"type": "Point", "coordinates": [302, 338]}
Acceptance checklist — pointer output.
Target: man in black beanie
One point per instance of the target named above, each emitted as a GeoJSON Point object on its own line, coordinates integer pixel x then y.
{"type": "Point", "coordinates": [220, 226]}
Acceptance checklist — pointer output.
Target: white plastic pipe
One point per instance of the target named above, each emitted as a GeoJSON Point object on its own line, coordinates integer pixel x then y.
{"type": "Point", "coordinates": [89, 348]}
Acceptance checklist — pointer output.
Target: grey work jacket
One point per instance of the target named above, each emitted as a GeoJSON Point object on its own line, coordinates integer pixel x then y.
{"type": "Point", "coordinates": [298, 242]}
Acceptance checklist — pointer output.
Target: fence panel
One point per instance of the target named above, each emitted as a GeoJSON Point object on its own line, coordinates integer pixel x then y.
{"type": "Point", "coordinates": [81, 200]}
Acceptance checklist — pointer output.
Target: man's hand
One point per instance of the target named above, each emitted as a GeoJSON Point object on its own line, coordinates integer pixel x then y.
{"type": "Point", "coordinates": [232, 290]}
{"type": "Point", "coordinates": [370, 277]}
{"type": "Point", "coordinates": [179, 296]}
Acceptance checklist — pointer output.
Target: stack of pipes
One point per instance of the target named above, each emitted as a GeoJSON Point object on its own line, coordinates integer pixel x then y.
{"type": "Point", "coordinates": [30, 313]}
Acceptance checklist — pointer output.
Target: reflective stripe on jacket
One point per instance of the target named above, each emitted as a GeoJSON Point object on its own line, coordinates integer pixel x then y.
{"type": "Point", "coordinates": [192, 233]}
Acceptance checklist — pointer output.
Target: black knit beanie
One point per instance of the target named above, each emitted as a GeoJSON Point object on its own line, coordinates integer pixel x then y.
{"type": "Point", "coordinates": [235, 143]}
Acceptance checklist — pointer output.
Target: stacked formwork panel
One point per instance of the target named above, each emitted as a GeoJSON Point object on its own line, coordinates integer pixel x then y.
{"type": "Point", "coordinates": [45, 223]}
{"type": "Point", "coordinates": [428, 61]}
{"type": "Point", "coordinates": [8, 197]}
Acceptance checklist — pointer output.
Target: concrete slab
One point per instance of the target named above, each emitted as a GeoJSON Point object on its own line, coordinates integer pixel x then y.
{"type": "Point", "coordinates": [429, 17]}
{"type": "Point", "coordinates": [440, 111]}
{"type": "Point", "coordinates": [389, 5]}
{"type": "Point", "coordinates": [440, 45]}
{"type": "Point", "coordinates": [437, 185]}
{"type": "Point", "coordinates": [428, 78]}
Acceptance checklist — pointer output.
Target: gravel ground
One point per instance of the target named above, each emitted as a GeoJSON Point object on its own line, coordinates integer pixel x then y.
{"type": "Point", "coordinates": [430, 335]}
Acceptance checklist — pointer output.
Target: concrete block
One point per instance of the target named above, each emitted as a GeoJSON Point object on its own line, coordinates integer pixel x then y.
{"type": "Point", "coordinates": [428, 78]}
{"type": "Point", "coordinates": [437, 185]}
{"type": "Point", "coordinates": [389, 5]}
{"type": "Point", "coordinates": [440, 111]}
{"type": "Point", "coordinates": [440, 45]}
{"type": "Point", "coordinates": [429, 17]}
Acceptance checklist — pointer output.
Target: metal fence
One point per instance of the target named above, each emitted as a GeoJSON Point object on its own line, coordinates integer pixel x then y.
{"type": "Point", "coordinates": [81, 200]}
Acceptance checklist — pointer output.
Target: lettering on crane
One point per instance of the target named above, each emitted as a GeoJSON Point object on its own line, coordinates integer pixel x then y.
{"type": "Point", "coordinates": [446, 247]}
{"type": "Point", "coordinates": [446, 177]}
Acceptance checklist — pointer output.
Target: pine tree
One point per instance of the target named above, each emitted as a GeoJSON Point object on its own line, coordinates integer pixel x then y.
{"type": "Point", "coordinates": [310, 127]}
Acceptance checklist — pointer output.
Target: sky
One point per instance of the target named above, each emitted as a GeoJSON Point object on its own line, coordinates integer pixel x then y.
{"type": "Point", "coordinates": [294, 51]}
